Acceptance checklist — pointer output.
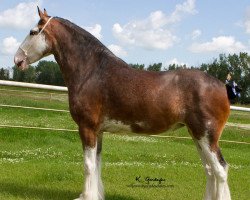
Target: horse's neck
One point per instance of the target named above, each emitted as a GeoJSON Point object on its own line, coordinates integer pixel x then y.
{"type": "Point", "coordinates": [74, 56]}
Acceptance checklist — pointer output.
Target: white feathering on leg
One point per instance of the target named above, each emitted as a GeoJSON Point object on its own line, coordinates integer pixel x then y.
{"type": "Point", "coordinates": [90, 191]}
{"type": "Point", "coordinates": [220, 173]}
{"type": "Point", "coordinates": [100, 184]}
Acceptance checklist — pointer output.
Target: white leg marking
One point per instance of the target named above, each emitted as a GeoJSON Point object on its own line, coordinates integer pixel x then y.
{"type": "Point", "coordinates": [211, 184]}
{"type": "Point", "coordinates": [226, 191]}
{"type": "Point", "coordinates": [90, 191]}
{"type": "Point", "coordinates": [219, 172]}
{"type": "Point", "coordinates": [91, 179]}
{"type": "Point", "coordinates": [100, 184]}
{"type": "Point", "coordinates": [211, 181]}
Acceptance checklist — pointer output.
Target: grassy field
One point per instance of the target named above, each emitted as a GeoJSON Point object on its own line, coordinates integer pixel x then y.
{"type": "Point", "coordinates": [47, 165]}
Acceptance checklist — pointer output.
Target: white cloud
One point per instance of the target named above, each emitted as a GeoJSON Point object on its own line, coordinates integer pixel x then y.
{"type": "Point", "coordinates": [117, 50]}
{"type": "Point", "coordinates": [175, 61]}
{"type": "Point", "coordinates": [221, 44]}
{"type": "Point", "coordinates": [247, 21]}
{"type": "Point", "coordinates": [9, 46]}
{"type": "Point", "coordinates": [154, 32]}
{"type": "Point", "coordinates": [195, 34]}
{"type": "Point", "coordinates": [95, 30]}
{"type": "Point", "coordinates": [23, 16]}
{"type": "Point", "coordinates": [188, 7]}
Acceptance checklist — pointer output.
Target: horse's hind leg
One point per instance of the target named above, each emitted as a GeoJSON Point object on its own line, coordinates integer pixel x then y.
{"type": "Point", "coordinates": [217, 165]}
{"type": "Point", "coordinates": [210, 193]}
{"type": "Point", "coordinates": [98, 160]}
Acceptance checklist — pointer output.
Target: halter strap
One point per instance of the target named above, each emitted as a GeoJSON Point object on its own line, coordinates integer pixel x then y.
{"type": "Point", "coordinates": [35, 36]}
{"type": "Point", "coordinates": [45, 25]}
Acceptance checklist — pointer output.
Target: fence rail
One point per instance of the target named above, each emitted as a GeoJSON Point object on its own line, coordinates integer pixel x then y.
{"type": "Point", "coordinates": [240, 108]}
{"type": "Point", "coordinates": [65, 89]}
{"type": "Point", "coordinates": [33, 85]}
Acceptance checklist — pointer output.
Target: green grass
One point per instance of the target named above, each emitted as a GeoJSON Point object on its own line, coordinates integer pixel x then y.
{"type": "Point", "coordinates": [47, 165]}
{"type": "Point", "coordinates": [33, 97]}
{"type": "Point", "coordinates": [239, 117]}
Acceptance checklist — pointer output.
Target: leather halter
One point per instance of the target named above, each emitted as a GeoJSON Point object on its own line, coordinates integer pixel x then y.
{"type": "Point", "coordinates": [25, 50]}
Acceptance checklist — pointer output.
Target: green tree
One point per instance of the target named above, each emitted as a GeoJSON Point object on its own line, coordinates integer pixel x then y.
{"type": "Point", "coordinates": [155, 67]}
{"type": "Point", "coordinates": [176, 66]}
{"type": "Point", "coordinates": [17, 75]}
{"type": "Point", "coordinates": [137, 66]}
{"type": "Point", "coordinates": [28, 75]}
{"type": "Point", "coordinates": [219, 68]}
{"type": "Point", "coordinates": [237, 65]}
{"type": "Point", "coordinates": [48, 72]}
{"type": "Point", "coordinates": [4, 74]}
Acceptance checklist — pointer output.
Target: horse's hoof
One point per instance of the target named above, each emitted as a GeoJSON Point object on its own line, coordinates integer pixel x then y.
{"type": "Point", "coordinates": [80, 197]}
{"type": "Point", "coordinates": [87, 198]}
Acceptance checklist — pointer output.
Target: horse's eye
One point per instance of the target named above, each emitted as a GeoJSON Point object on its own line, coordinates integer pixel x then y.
{"type": "Point", "coordinates": [33, 32]}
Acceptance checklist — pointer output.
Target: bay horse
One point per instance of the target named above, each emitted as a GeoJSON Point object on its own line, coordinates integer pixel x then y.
{"type": "Point", "coordinates": [101, 85]}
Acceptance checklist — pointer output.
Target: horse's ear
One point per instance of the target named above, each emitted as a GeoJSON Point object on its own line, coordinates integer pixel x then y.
{"type": "Point", "coordinates": [40, 13]}
{"type": "Point", "coordinates": [45, 12]}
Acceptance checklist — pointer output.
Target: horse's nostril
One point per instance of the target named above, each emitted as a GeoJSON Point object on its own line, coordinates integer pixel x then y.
{"type": "Point", "coordinates": [19, 63]}
{"type": "Point", "coordinates": [17, 60]}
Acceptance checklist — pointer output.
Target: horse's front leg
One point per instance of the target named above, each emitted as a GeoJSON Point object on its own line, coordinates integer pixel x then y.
{"type": "Point", "coordinates": [89, 140]}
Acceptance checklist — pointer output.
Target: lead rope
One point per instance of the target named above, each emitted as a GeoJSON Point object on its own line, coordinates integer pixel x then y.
{"type": "Point", "coordinates": [34, 38]}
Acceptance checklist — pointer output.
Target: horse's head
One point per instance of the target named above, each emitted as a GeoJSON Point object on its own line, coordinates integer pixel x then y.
{"type": "Point", "coordinates": [37, 44]}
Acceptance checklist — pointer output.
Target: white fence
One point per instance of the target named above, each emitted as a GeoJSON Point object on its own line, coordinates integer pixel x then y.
{"type": "Point", "coordinates": [240, 108]}
{"type": "Point", "coordinates": [32, 85]}
{"type": "Point", "coordinates": [60, 88]}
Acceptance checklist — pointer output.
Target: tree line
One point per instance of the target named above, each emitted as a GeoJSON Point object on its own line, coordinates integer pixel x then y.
{"type": "Point", "coordinates": [46, 72]}
{"type": "Point", "coordinates": [238, 65]}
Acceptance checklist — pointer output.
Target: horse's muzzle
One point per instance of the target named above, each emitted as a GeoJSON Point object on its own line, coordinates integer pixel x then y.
{"type": "Point", "coordinates": [20, 59]}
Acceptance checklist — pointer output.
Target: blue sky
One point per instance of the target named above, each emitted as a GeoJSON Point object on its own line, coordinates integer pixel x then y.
{"type": "Point", "coordinates": [178, 31]}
